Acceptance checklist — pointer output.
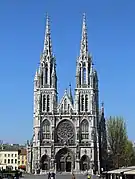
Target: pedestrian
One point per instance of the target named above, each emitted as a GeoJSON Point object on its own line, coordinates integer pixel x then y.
{"type": "Point", "coordinates": [16, 175]}
{"type": "Point", "coordinates": [49, 175]}
{"type": "Point", "coordinates": [73, 176]}
{"type": "Point", "coordinates": [88, 177]}
{"type": "Point", "coordinates": [53, 175]}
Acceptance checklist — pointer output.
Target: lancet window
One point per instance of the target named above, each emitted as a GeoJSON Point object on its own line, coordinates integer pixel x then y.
{"type": "Point", "coordinates": [39, 135]}
{"type": "Point", "coordinates": [80, 76]}
{"type": "Point", "coordinates": [46, 129]}
{"type": "Point", "coordinates": [62, 108]}
{"type": "Point", "coordinates": [46, 73]}
{"type": "Point", "coordinates": [82, 103]}
{"type": "Point", "coordinates": [86, 102]}
{"type": "Point", "coordinates": [65, 104]}
{"type": "Point", "coordinates": [44, 102]}
{"type": "Point", "coordinates": [68, 108]}
{"type": "Point", "coordinates": [48, 103]}
{"type": "Point", "coordinates": [42, 79]}
{"type": "Point", "coordinates": [84, 75]}
{"type": "Point", "coordinates": [84, 129]}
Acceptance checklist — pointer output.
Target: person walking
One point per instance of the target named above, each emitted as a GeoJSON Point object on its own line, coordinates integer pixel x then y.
{"type": "Point", "coordinates": [73, 176]}
{"type": "Point", "coordinates": [49, 175]}
{"type": "Point", "coordinates": [88, 177]}
{"type": "Point", "coordinates": [53, 175]}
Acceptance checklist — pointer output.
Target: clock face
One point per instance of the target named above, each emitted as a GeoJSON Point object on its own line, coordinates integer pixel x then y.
{"type": "Point", "coordinates": [65, 130]}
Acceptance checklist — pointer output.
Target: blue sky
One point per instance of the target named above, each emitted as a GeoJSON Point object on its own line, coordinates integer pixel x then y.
{"type": "Point", "coordinates": [111, 34]}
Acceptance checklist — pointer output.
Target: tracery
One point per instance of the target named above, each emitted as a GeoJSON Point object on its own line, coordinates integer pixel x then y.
{"type": "Point", "coordinates": [65, 131]}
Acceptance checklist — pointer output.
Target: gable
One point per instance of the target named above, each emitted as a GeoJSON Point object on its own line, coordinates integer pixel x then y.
{"type": "Point", "coordinates": [65, 105]}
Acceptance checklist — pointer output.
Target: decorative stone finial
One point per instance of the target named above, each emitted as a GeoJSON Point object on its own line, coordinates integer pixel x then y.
{"type": "Point", "coordinates": [47, 42]}
{"type": "Point", "coordinates": [66, 90]}
{"type": "Point", "coordinates": [102, 107]}
{"type": "Point", "coordinates": [84, 40]}
{"type": "Point", "coordinates": [70, 93]}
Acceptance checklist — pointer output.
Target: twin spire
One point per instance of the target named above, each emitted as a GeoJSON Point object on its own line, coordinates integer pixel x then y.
{"type": "Point", "coordinates": [47, 41]}
{"type": "Point", "coordinates": [84, 40]}
{"type": "Point", "coordinates": [48, 44]}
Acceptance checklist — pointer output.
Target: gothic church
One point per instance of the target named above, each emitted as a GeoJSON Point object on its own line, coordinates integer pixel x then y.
{"type": "Point", "coordinates": [67, 136]}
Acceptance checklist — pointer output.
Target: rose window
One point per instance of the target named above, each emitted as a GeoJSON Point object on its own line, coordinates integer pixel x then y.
{"type": "Point", "coordinates": [65, 130]}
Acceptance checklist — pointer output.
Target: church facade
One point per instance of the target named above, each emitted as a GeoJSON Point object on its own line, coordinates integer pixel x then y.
{"type": "Point", "coordinates": [66, 135]}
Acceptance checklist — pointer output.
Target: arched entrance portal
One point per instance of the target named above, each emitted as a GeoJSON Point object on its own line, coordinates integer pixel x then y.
{"type": "Point", "coordinates": [45, 162]}
{"type": "Point", "coordinates": [64, 160]}
{"type": "Point", "coordinates": [85, 163]}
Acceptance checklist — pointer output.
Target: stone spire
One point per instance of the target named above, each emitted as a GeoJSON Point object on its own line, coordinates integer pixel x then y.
{"type": "Point", "coordinates": [84, 61]}
{"type": "Point", "coordinates": [36, 76]}
{"type": "Point", "coordinates": [47, 50]}
{"type": "Point", "coordinates": [36, 80]}
{"type": "Point", "coordinates": [54, 68]}
{"type": "Point", "coordinates": [102, 108]}
{"type": "Point", "coordinates": [47, 70]}
{"type": "Point", "coordinates": [54, 76]}
{"type": "Point", "coordinates": [91, 75]}
{"type": "Point", "coordinates": [70, 94]}
{"type": "Point", "coordinates": [84, 40]}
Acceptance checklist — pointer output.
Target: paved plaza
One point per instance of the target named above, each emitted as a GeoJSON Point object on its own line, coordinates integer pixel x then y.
{"type": "Point", "coordinates": [58, 176]}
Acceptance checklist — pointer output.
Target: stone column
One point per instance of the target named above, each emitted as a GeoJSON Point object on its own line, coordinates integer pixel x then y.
{"type": "Point", "coordinates": [38, 157]}
{"type": "Point", "coordinates": [55, 167]}
{"type": "Point", "coordinates": [77, 165]}
{"type": "Point", "coordinates": [91, 168]}
{"type": "Point", "coordinates": [72, 167]}
{"type": "Point", "coordinates": [111, 176]}
{"type": "Point", "coordinates": [52, 164]}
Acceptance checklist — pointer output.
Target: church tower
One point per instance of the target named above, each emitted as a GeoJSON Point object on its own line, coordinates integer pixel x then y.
{"type": "Point", "coordinates": [45, 98]}
{"type": "Point", "coordinates": [46, 78]}
{"type": "Point", "coordinates": [86, 77]}
{"type": "Point", "coordinates": [66, 134]}
{"type": "Point", "coordinates": [86, 99]}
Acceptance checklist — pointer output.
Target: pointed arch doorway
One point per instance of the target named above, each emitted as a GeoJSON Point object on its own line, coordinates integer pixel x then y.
{"type": "Point", "coordinates": [84, 163]}
{"type": "Point", "coordinates": [45, 162]}
{"type": "Point", "coordinates": [64, 160]}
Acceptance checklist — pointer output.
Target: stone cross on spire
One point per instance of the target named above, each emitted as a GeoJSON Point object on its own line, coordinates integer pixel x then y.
{"type": "Point", "coordinates": [84, 40]}
{"type": "Point", "coordinates": [47, 41]}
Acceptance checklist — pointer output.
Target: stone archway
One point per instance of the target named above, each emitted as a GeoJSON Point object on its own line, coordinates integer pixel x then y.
{"type": "Point", "coordinates": [45, 162]}
{"type": "Point", "coordinates": [85, 163]}
{"type": "Point", "coordinates": [64, 160]}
